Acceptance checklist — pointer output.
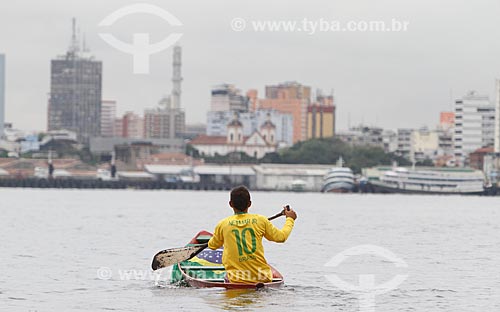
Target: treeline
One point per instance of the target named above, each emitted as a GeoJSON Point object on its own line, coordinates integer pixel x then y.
{"type": "Point", "coordinates": [316, 151]}
{"type": "Point", "coordinates": [328, 151]}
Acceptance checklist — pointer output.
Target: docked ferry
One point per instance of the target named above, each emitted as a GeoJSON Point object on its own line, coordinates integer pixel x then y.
{"type": "Point", "coordinates": [338, 180]}
{"type": "Point", "coordinates": [403, 180]}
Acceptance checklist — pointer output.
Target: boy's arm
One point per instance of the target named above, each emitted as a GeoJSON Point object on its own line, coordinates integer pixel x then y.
{"type": "Point", "coordinates": [276, 235]}
{"type": "Point", "coordinates": [217, 239]}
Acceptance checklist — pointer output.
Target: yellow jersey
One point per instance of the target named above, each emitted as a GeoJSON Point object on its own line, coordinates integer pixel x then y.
{"type": "Point", "coordinates": [241, 235]}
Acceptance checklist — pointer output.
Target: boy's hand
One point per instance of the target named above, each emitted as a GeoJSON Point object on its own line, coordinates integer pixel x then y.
{"type": "Point", "coordinates": [290, 213]}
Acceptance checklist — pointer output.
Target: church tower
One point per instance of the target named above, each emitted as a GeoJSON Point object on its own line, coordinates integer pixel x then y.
{"type": "Point", "coordinates": [235, 131]}
{"type": "Point", "coordinates": [268, 131]}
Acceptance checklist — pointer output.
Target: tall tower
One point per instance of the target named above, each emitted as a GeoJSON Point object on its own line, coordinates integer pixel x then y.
{"type": "Point", "coordinates": [176, 78]}
{"type": "Point", "coordinates": [168, 121]}
{"type": "Point", "coordinates": [2, 94]}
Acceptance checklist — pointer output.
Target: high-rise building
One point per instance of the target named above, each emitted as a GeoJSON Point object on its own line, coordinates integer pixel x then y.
{"type": "Point", "coordinates": [75, 93]}
{"type": "Point", "coordinates": [2, 95]}
{"type": "Point", "coordinates": [321, 117]}
{"type": "Point", "coordinates": [118, 128]}
{"type": "Point", "coordinates": [252, 99]}
{"type": "Point", "coordinates": [108, 117]}
{"type": "Point", "coordinates": [497, 119]}
{"type": "Point", "coordinates": [474, 125]}
{"type": "Point", "coordinates": [227, 97]}
{"type": "Point", "coordinates": [491, 161]}
{"type": "Point", "coordinates": [133, 126]}
{"type": "Point", "coordinates": [288, 90]}
{"type": "Point", "coordinates": [292, 98]}
{"type": "Point", "coordinates": [164, 123]}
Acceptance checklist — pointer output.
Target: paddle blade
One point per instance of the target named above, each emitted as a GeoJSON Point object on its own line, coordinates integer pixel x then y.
{"type": "Point", "coordinates": [172, 256]}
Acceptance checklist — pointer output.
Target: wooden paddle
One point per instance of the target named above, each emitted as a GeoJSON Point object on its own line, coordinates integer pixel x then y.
{"type": "Point", "coordinates": [172, 256]}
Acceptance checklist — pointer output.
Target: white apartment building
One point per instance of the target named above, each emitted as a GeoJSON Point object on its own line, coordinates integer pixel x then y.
{"type": "Point", "coordinates": [404, 143]}
{"type": "Point", "coordinates": [2, 94]}
{"type": "Point", "coordinates": [372, 136]}
{"type": "Point", "coordinates": [474, 125]}
{"type": "Point", "coordinates": [497, 118]}
{"type": "Point", "coordinates": [390, 140]}
{"type": "Point", "coordinates": [227, 97]}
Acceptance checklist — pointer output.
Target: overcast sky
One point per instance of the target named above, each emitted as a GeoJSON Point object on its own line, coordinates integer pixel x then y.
{"type": "Point", "coordinates": [395, 79]}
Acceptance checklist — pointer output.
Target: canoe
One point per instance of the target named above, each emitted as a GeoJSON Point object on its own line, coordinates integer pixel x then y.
{"type": "Point", "coordinates": [206, 269]}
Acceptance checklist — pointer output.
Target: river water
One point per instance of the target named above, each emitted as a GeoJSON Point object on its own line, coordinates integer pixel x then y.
{"type": "Point", "coordinates": [90, 250]}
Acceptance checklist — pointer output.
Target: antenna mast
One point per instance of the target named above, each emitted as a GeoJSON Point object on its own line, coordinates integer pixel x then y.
{"type": "Point", "coordinates": [74, 47]}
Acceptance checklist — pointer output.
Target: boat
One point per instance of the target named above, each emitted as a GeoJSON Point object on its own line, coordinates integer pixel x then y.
{"type": "Point", "coordinates": [298, 185]}
{"type": "Point", "coordinates": [414, 181]}
{"type": "Point", "coordinates": [206, 269]}
{"type": "Point", "coordinates": [339, 179]}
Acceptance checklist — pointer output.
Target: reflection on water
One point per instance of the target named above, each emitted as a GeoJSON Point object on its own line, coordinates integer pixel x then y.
{"type": "Point", "coordinates": [54, 241]}
{"type": "Point", "coordinates": [238, 299]}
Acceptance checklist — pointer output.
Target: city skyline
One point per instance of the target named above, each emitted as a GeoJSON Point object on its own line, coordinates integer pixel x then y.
{"type": "Point", "coordinates": [390, 80]}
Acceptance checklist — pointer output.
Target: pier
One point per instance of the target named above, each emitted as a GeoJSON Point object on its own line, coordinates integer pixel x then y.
{"type": "Point", "coordinates": [100, 184]}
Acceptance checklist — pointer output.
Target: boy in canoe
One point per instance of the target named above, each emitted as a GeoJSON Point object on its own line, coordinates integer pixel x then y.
{"type": "Point", "coordinates": [241, 235]}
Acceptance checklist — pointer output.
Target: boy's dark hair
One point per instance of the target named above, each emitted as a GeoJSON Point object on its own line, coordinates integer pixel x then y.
{"type": "Point", "coordinates": [240, 197]}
